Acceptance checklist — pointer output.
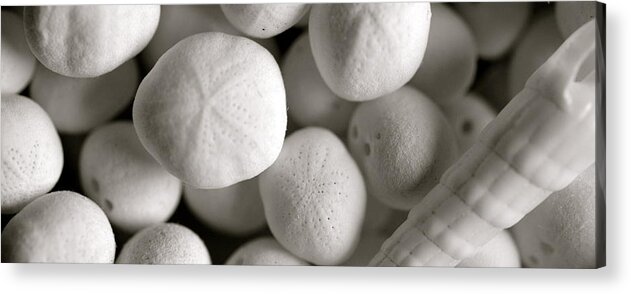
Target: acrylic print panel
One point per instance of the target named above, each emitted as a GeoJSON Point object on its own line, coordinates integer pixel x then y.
{"type": "Point", "coordinates": [366, 134]}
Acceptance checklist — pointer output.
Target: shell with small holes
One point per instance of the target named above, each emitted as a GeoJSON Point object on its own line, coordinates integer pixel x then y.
{"type": "Point", "coordinates": [468, 117]}
{"type": "Point", "coordinates": [59, 227]}
{"type": "Point", "coordinates": [314, 197]}
{"type": "Point", "coordinates": [212, 110]}
{"type": "Point", "coordinates": [165, 244]}
{"type": "Point", "coordinates": [403, 144]}
{"type": "Point", "coordinates": [130, 186]}
{"type": "Point", "coordinates": [32, 155]}
{"type": "Point", "coordinates": [263, 251]}
{"type": "Point", "coordinates": [86, 41]}
{"type": "Point", "coordinates": [366, 50]}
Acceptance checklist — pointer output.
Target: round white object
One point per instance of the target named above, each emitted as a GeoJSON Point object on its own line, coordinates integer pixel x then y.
{"type": "Point", "coordinates": [561, 231]}
{"type": "Point", "coordinates": [120, 176]}
{"type": "Point", "coordinates": [165, 244]}
{"type": "Point", "coordinates": [310, 102]}
{"type": "Point", "coordinates": [263, 251]}
{"type": "Point", "coordinates": [314, 197]}
{"type": "Point", "coordinates": [212, 111]}
{"type": "Point", "coordinates": [236, 210]}
{"type": "Point", "coordinates": [32, 156]}
{"type": "Point", "coordinates": [77, 105]}
{"type": "Point", "coordinates": [88, 40]}
{"type": "Point", "coordinates": [59, 227]}
{"type": "Point", "coordinates": [496, 26]}
{"type": "Point", "coordinates": [264, 20]}
{"type": "Point", "coordinates": [450, 59]}
{"type": "Point", "coordinates": [468, 117]}
{"type": "Point", "coordinates": [18, 64]}
{"type": "Point", "coordinates": [364, 51]}
{"type": "Point", "coordinates": [501, 251]}
{"type": "Point", "coordinates": [403, 143]}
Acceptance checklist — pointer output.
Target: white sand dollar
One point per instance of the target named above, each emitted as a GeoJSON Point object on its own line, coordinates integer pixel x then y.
{"type": "Point", "coordinates": [541, 39]}
{"type": "Point", "coordinates": [32, 156]}
{"type": "Point", "coordinates": [562, 231]}
{"type": "Point", "coordinates": [236, 210]}
{"type": "Point", "coordinates": [367, 50]}
{"type": "Point", "coordinates": [77, 105]}
{"type": "Point", "coordinates": [88, 40]}
{"type": "Point", "coordinates": [212, 110]}
{"type": "Point", "coordinates": [180, 21]}
{"type": "Point", "coordinates": [59, 227]}
{"type": "Point", "coordinates": [450, 59]}
{"type": "Point", "coordinates": [263, 251]}
{"type": "Point", "coordinates": [310, 102]}
{"type": "Point", "coordinates": [571, 15]}
{"type": "Point", "coordinates": [403, 144]}
{"type": "Point", "coordinates": [18, 64]}
{"type": "Point", "coordinates": [314, 197]}
{"type": "Point", "coordinates": [468, 117]}
{"type": "Point", "coordinates": [165, 244]}
{"type": "Point", "coordinates": [264, 20]}
{"type": "Point", "coordinates": [496, 26]}
{"type": "Point", "coordinates": [124, 180]}
{"type": "Point", "coordinates": [501, 251]}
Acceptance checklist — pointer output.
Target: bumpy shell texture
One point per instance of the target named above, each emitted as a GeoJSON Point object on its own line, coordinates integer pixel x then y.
{"type": "Point", "coordinates": [403, 144]}
{"type": "Point", "coordinates": [32, 156]}
{"type": "Point", "coordinates": [314, 197]}
{"type": "Point", "coordinates": [212, 110]}
{"type": "Point", "coordinates": [18, 63]}
{"type": "Point", "coordinates": [130, 186]}
{"type": "Point", "coordinates": [88, 40]}
{"type": "Point", "coordinates": [165, 244]}
{"type": "Point", "coordinates": [60, 227]}
{"type": "Point", "coordinates": [367, 50]}
{"type": "Point", "coordinates": [264, 251]}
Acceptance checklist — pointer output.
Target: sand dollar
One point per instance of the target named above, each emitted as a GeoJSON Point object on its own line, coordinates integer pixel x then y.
{"type": "Point", "coordinates": [314, 197]}
{"type": "Point", "coordinates": [403, 143]}
{"type": "Point", "coordinates": [468, 117]}
{"type": "Point", "coordinates": [165, 244]}
{"type": "Point", "coordinates": [364, 51]}
{"type": "Point", "coordinates": [59, 227]}
{"type": "Point", "coordinates": [88, 40]}
{"type": "Point", "coordinates": [32, 156]}
{"type": "Point", "coordinates": [212, 110]}
{"type": "Point", "coordinates": [263, 251]}
{"type": "Point", "coordinates": [562, 231]}
{"type": "Point", "coordinates": [130, 186]}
